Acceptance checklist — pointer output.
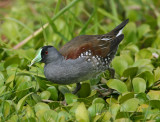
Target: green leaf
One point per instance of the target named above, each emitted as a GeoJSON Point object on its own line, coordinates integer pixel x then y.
{"type": "Point", "coordinates": [126, 97]}
{"type": "Point", "coordinates": [95, 109]}
{"type": "Point", "coordinates": [143, 54]}
{"type": "Point", "coordinates": [141, 62]}
{"type": "Point", "coordinates": [81, 113]}
{"type": "Point", "coordinates": [45, 95]}
{"type": "Point", "coordinates": [98, 100]}
{"type": "Point", "coordinates": [70, 98]}
{"type": "Point", "coordinates": [154, 95]}
{"type": "Point", "coordinates": [85, 90]}
{"type": "Point", "coordinates": [117, 85]}
{"type": "Point", "coordinates": [155, 103]}
{"type": "Point", "coordinates": [139, 85]}
{"type": "Point", "coordinates": [114, 108]}
{"type": "Point", "coordinates": [41, 106]}
{"type": "Point", "coordinates": [22, 101]}
{"type": "Point", "coordinates": [12, 60]}
{"type": "Point", "coordinates": [119, 64]}
{"type": "Point", "coordinates": [147, 76]}
{"type": "Point", "coordinates": [6, 108]}
{"type": "Point", "coordinates": [130, 72]}
{"type": "Point", "coordinates": [130, 105]}
{"type": "Point", "coordinates": [130, 32]}
{"type": "Point", "coordinates": [143, 29]}
{"type": "Point", "coordinates": [54, 92]}
{"type": "Point", "coordinates": [157, 74]}
{"type": "Point", "coordinates": [63, 89]}
{"type": "Point", "coordinates": [50, 115]}
{"type": "Point", "coordinates": [36, 98]}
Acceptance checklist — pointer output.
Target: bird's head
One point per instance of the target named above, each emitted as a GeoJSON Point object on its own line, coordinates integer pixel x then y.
{"type": "Point", "coordinates": [46, 54]}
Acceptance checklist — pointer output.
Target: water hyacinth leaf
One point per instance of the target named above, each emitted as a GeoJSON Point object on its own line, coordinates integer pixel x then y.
{"type": "Point", "coordinates": [130, 105]}
{"type": "Point", "coordinates": [141, 62]}
{"type": "Point", "coordinates": [117, 85]}
{"type": "Point", "coordinates": [119, 64]}
{"type": "Point", "coordinates": [63, 116]}
{"type": "Point", "coordinates": [2, 90]}
{"type": "Point", "coordinates": [70, 98]}
{"type": "Point", "coordinates": [73, 109]}
{"type": "Point", "coordinates": [95, 109]}
{"type": "Point", "coordinates": [154, 95]}
{"type": "Point", "coordinates": [143, 54]}
{"type": "Point", "coordinates": [155, 103]}
{"type": "Point", "coordinates": [127, 58]}
{"type": "Point", "coordinates": [139, 85]}
{"type": "Point", "coordinates": [22, 78]}
{"type": "Point", "coordinates": [22, 101]}
{"type": "Point", "coordinates": [29, 112]}
{"type": "Point", "coordinates": [98, 100]}
{"type": "Point", "coordinates": [147, 76]}
{"type": "Point", "coordinates": [41, 83]}
{"type": "Point", "coordinates": [12, 60]}
{"type": "Point", "coordinates": [54, 92]}
{"type": "Point", "coordinates": [143, 98]}
{"type": "Point", "coordinates": [133, 48]}
{"type": "Point", "coordinates": [45, 95]}
{"type": "Point", "coordinates": [41, 106]}
{"type": "Point", "coordinates": [143, 29]}
{"type": "Point", "coordinates": [106, 117]}
{"type": "Point", "coordinates": [142, 107]}
{"type": "Point", "coordinates": [111, 101]}
{"type": "Point", "coordinates": [157, 74]}
{"type": "Point", "coordinates": [63, 89]}
{"type": "Point", "coordinates": [36, 98]}
{"type": "Point", "coordinates": [130, 72]}
{"type": "Point", "coordinates": [130, 33]}
{"type": "Point", "coordinates": [2, 79]}
{"type": "Point", "coordinates": [50, 116]}
{"type": "Point", "coordinates": [114, 108]}
{"type": "Point", "coordinates": [81, 113]}
{"type": "Point", "coordinates": [125, 97]}
{"type": "Point", "coordinates": [6, 108]}
{"type": "Point", "coordinates": [24, 86]}
{"type": "Point", "coordinates": [85, 90]}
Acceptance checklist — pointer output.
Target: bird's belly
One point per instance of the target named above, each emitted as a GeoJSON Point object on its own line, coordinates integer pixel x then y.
{"type": "Point", "coordinates": [70, 74]}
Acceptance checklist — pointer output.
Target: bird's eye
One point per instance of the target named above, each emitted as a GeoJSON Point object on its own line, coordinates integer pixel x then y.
{"type": "Point", "coordinates": [46, 52]}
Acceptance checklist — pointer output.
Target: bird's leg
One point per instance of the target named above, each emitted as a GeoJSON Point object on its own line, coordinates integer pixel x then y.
{"type": "Point", "coordinates": [78, 87]}
{"type": "Point", "coordinates": [111, 72]}
{"type": "Point", "coordinates": [109, 91]}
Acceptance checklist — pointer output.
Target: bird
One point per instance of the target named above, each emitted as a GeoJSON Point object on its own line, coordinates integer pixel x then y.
{"type": "Point", "coordinates": [81, 59]}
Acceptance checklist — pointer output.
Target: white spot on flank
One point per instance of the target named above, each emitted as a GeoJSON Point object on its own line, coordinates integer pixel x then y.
{"type": "Point", "coordinates": [119, 33]}
{"type": "Point", "coordinates": [89, 59]}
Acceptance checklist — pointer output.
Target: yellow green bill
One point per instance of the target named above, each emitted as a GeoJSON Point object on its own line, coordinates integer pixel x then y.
{"type": "Point", "coordinates": [38, 58]}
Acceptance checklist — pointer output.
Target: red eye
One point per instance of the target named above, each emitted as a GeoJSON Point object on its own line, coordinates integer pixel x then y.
{"type": "Point", "coordinates": [46, 52]}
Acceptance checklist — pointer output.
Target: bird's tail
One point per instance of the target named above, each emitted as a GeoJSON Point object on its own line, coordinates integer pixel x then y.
{"type": "Point", "coordinates": [118, 30]}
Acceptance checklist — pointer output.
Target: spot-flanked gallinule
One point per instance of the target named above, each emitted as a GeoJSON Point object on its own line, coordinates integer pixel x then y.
{"type": "Point", "coordinates": [82, 58]}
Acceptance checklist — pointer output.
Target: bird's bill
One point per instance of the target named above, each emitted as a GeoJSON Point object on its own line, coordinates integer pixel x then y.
{"type": "Point", "coordinates": [38, 58]}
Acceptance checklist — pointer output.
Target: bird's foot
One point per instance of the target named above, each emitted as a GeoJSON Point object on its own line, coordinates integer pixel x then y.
{"type": "Point", "coordinates": [111, 72]}
{"type": "Point", "coordinates": [106, 92]}
{"type": "Point", "coordinates": [78, 87]}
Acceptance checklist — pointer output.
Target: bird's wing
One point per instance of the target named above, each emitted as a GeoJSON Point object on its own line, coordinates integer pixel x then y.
{"type": "Point", "coordinates": [93, 45]}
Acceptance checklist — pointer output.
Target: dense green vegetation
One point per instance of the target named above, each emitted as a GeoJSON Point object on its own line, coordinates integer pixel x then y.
{"type": "Point", "coordinates": [25, 94]}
